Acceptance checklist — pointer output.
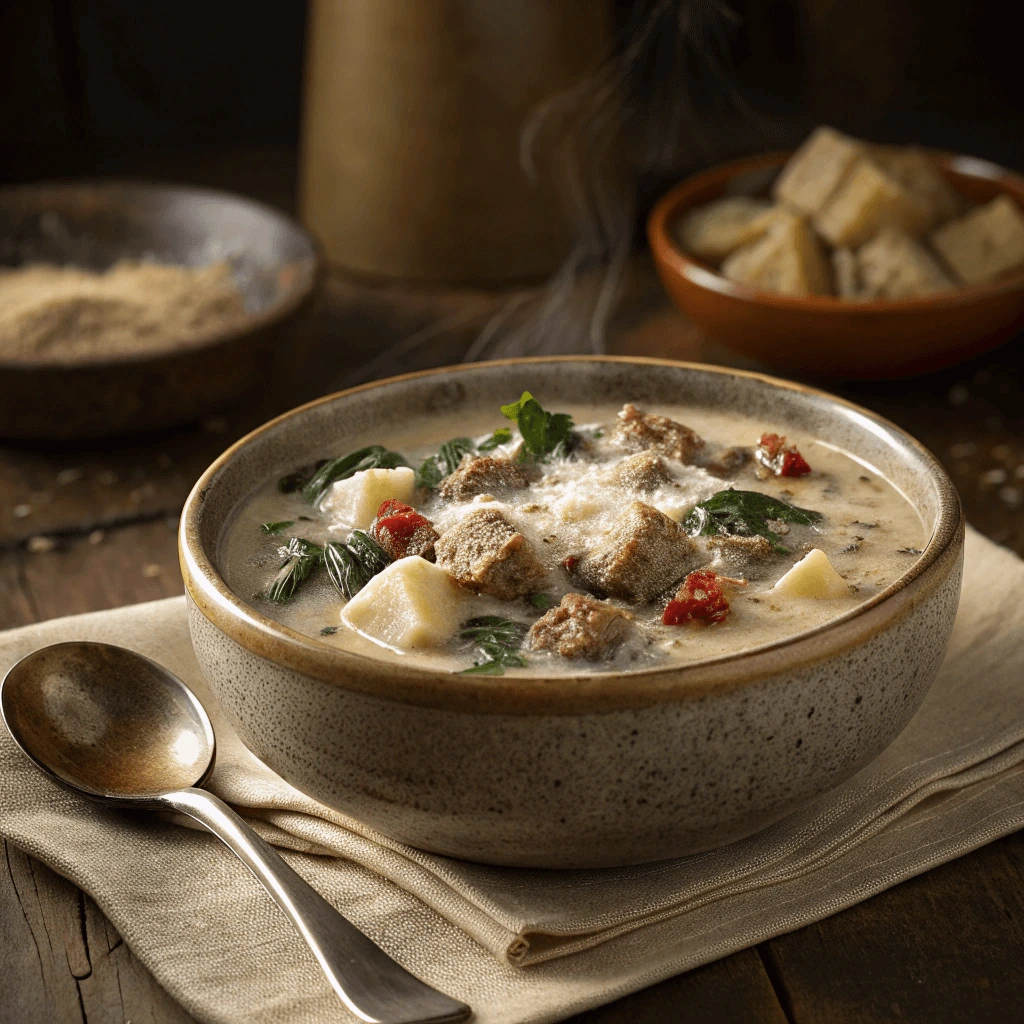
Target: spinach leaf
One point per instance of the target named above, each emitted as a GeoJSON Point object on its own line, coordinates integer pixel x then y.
{"type": "Point", "coordinates": [501, 436]}
{"type": "Point", "coordinates": [541, 601]}
{"type": "Point", "coordinates": [435, 468]}
{"type": "Point", "coordinates": [374, 456]}
{"type": "Point", "coordinates": [544, 433]}
{"type": "Point", "coordinates": [301, 557]}
{"type": "Point", "coordinates": [498, 641]}
{"type": "Point", "coordinates": [277, 527]}
{"type": "Point", "coordinates": [745, 514]}
{"type": "Point", "coordinates": [351, 566]}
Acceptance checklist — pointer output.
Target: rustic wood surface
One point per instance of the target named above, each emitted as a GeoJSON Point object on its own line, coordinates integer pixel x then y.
{"type": "Point", "coordinates": [93, 527]}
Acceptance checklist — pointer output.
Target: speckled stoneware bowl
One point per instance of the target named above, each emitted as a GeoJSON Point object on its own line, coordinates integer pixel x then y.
{"type": "Point", "coordinates": [585, 770]}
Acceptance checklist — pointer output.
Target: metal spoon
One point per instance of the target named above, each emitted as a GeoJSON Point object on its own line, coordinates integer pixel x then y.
{"type": "Point", "coordinates": [120, 728]}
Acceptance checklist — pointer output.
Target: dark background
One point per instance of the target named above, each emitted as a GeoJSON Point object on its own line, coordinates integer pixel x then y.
{"type": "Point", "coordinates": [96, 86]}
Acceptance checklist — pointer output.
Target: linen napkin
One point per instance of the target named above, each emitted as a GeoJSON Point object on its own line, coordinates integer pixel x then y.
{"type": "Point", "coordinates": [523, 945]}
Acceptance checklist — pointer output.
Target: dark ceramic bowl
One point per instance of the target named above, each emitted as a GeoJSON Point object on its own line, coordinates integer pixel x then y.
{"type": "Point", "coordinates": [821, 334]}
{"type": "Point", "coordinates": [93, 225]}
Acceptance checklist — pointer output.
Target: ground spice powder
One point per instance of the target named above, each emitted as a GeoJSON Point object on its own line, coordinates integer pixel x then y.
{"type": "Point", "coordinates": [51, 313]}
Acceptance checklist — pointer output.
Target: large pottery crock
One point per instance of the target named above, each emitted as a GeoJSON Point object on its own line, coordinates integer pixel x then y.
{"type": "Point", "coordinates": [585, 770]}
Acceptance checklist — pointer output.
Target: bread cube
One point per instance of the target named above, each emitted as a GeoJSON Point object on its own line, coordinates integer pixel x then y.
{"type": "Point", "coordinates": [411, 604]}
{"type": "Point", "coordinates": [481, 474]}
{"type": "Point", "coordinates": [580, 627]}
{"type": "Point", "coordinates": [813, 576]}
{"type": "Point", "coordinates": [918, 173]}
{"type": "Point", "coordinates": [643, 554]}
{"type": "Point", "coordinates": [639, 431]}
{"type": "Point", "coordinates": [788, 260]}
{"type": "Point", "coordinates": [867, 201]}
{"type": "Point", "coordinates": [816, 170]}
{"type": "Point", "coordinates": [846, 273]}
{"type": "Point", "coordinates": [354, 502]}
{"type": "Point", "coordinates": [895, 266]}
{"type": "Point", "coordinates": [645, 471]}
{"type": "Point", "coordinates": [712, 231]}
{"type": "Point", "coordinates": [984, 245]}
{"type": "Point", "coordinates": [484, 552]}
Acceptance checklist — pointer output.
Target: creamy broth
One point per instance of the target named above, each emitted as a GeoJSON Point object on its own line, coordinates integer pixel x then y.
{"type": "Point", "coordinates": [869, 531]}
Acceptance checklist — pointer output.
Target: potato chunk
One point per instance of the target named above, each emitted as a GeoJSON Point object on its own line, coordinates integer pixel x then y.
{"type": "Point", "coordinates": [918, 173]}
{"type": "Point", "coordinates": [484, 552]}
{"type": "Point", "coordinates": [788, 260]}
{"type": "Point", "coordinates": [813, 576]}
{"type": "Point", "coordinates": [895, 266]}
{"type": "Point", "coordinates": [816, 169]}
{"type": "Point", "coordinates": [712, 231]}
{"type": "Point", "coordinates": [869, 200]}
{"type": "Point", "coordinates": [355, 501]}
{"type": "Point", "coordinates": [984, 245]}
{"type": "Point", "coordinates": [644, 553]}
{"type": "Point", "coordinates": [411, 604]}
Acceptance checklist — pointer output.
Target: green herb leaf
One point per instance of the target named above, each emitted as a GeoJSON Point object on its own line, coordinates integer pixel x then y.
{"type": "Point", "coordinates": [745, 514]}
{"type": "Point", "coordinates": [501, 436]}
{"type": "Point", "coordinates": [436, 467]}
{"type": "Point", "coordinates": [544, 433]}
{"type": "Point", "coordinates": [293, 482]}
{"type": "Point", "coordinates": [541, 601]}
{"type": "Point", "coordinates": [277, 527]}
{"type": "Point", "coordinates": [301, 557]}
{"type": "Point", "coordinates": [498, 641]}
{"type": "Point", "coordinates": [328, 630]}
{"type": "Point", "coordinates": [374, 456]}
{"type": "Point", "coordinates": [351, 566]}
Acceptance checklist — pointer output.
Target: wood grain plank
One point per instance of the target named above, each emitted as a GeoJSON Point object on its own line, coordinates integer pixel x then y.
{"type": "Point", "coordinates": [945, 946]}
{"type": "Point", "coordinates": [728, 991]}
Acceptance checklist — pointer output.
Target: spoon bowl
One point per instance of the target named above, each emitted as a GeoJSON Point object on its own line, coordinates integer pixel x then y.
{"type": "Point", "coordinates": [119, 728]}
{"type": "Point", "coordinates": [107, 721]}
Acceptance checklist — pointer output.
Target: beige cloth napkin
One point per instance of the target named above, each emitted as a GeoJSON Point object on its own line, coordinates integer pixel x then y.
{"type": "Point", "coordinates": [524, 945]}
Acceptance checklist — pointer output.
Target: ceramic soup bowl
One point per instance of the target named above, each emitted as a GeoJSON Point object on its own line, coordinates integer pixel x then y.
{"type": "Point", "coordinates": [589, 769]}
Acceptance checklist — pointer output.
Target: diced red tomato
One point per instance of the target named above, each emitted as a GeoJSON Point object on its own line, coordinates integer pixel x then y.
{"type": "Point", "coordinates": [783, 460]}
{"type": "Point", "coordinates": [570, 563]}
{"type": "Point", "coordinates": [699, 599]}
{"type": "Point", "coordinates": [400, 530]}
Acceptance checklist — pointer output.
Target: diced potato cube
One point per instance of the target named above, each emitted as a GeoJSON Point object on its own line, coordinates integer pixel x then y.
{"type": "Point", "coordinates": [816, 170]}
{"type": "Point", "coordinates": [412, 603]}
{"type": "Point", "coordinates": [354, 502]}
{"type": "Point", "coordinates": [788, 260]}
{"type": "Point", "coordinates": [813, 576]}
{"type": "Point", "coordinates": [713, 231]}
{"type": "Point", "coordinates": [895, 266]}
{"type": "Point", "coordinates": [866, 202]}
{"type": "Point", "coordinates": [917, 172]}
{"type": "Point", "coordinates": [846, 273]}
{"type": "Point", "coordinates": [984, 245]}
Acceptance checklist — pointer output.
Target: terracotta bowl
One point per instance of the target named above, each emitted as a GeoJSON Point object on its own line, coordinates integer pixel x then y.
{"type": "Point", "coordinates": [584, 770]}
{"type": "Point", "coordinates": [93, 224]}
{"type": "Point", "coordinates": [823, 335]}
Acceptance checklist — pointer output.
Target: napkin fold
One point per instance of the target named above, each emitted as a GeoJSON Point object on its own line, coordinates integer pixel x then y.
{"type": "Point", "coordinates": [522, 945]}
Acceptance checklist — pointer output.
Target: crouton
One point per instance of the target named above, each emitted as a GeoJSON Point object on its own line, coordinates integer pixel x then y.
{"type": "Point", "coordinates": [638, 430]}
{"type": "Point", "coordinates": [580, 627]}
{"type": "Point", "coordinates": [789, 260]}
{"type": "Point", "coordinates": [816, 169]}
{"type": "Point", "coordinates": [984, 245]}
{"type": "Point", "coordinates": [712, 231]}
{"type": "Point", "coordinates": [644, 553]}
{"type": "Point", "coordinates": [481, 475]}
{"type": "Point", "coordinates": [484, 552]}
{"type": "Point", "coordinates": [917, 172]}
{"type": "Point", "coordinates": [895, 266]}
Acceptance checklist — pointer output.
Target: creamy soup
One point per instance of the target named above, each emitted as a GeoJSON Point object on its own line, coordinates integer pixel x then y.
{"type": "Point", "coordinates": [605, 538]}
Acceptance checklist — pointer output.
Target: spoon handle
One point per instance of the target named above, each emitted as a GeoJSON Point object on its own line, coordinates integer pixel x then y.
{"type": "Point", "coordinates": [372, 985]}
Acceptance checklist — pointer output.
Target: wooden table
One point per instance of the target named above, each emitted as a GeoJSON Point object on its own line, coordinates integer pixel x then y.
{"type": "Point", "coordinates": [94, 527]}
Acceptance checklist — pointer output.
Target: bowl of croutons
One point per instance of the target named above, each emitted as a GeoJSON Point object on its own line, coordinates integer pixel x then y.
{"type": "Point", "coordinates": [847, 259]}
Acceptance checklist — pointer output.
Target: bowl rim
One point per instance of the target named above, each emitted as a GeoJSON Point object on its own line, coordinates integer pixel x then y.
{"type": "Point", "coordinates": [567, 693]}
{"type": "Point", "coordinates": [668, 254]}
{"type": "Point", "coordinates": [279, 311]}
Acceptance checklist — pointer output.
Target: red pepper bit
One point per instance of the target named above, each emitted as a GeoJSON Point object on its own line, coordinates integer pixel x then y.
{"type": "Point", "coordinates": [570, 563]}
{"type": "Point", "coordinates": [783, 460]}
{"type": "Point", "coordinates": [699, 599]}
{"type": "Point", "coordinates": [399, 528]}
